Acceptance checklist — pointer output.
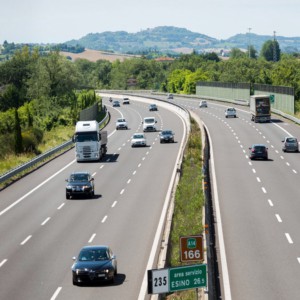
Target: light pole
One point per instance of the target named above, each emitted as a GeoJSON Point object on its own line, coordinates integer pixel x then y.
{"type": "Point", "coordinates": [249, 42]}
{"type": "Point", "coordinates": [274, 47]}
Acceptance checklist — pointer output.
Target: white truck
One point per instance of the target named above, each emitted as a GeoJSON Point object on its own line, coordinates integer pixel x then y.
{"type": "Point", "coordinates": [90, 142]}
{"type": "Point", "coordinates": [260, 108]}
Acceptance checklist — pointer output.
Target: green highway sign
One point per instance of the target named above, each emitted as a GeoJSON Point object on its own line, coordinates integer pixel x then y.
{"type": "Point", "coordinates": [176, 279]}
{"type": "Point", "coordinates": [188, 277]}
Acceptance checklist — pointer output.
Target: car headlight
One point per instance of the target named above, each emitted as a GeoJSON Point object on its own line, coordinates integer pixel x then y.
{"type": "Point", "coordinates": [69, 187]}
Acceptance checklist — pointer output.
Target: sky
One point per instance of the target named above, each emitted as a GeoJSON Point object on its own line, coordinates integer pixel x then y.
{"type": "Point", "coordinates": [58, 21]}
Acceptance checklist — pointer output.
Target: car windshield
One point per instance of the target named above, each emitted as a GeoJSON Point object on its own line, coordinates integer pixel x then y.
{"type": "Point", "coordinates": [259, 148]}
{"type": "Point", "coordinates": [138, 136]}
{"type": "Point", "coordinates": [93, 255]}
{"type": "Point", "coordinates": [149, 121]}
{"type": "Point", "coordinates": [121, 120]}
{"type": "Point", "coordinates": [79, 177]}
{"type": "Point", "coordinates": [167, 132]}
{"type": "Point", "coordinates": [291, 140]}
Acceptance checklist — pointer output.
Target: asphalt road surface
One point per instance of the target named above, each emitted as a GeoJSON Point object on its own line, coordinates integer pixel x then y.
{"type": "Point", "coordinates": [40, 231]}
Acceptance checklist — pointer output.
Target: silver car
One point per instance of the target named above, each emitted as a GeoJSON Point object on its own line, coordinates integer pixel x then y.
{"type": "Point", "coordinates": [290, 144]}
{"type": "Point", "coordinates": [138, 140]}
{"type": "Point", "coordinates": [203, 103]}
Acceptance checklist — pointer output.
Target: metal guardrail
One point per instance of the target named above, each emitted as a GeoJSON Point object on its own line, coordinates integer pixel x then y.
{"type": "Point", "coordinates": [13, 172]}
{"type": "Point", "coordinates": [34, 161]}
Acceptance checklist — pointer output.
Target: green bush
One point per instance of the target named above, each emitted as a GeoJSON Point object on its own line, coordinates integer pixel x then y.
{"type": "Point", "coordinates": [6, 144]}
{"type": "Point", "coordinates": [30, 142]}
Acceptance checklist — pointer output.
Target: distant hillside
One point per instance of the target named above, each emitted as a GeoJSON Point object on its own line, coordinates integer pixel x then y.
{"type": "Point", "coordinates": [169, 39]}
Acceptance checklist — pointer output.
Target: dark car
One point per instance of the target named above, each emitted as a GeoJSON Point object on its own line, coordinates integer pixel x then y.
{"type": "Point", "coordinates": [94, 264]}
{"type": "Point", "coordinates": [290, 144]}
{"type": "Point", "coordinates": [153, 107]}
{"type": "Point", "coordinates": [80, 184]}
{"type": "Point", "coordinates": [170, 96]}
{"type": "Point", "coordinates": [258, 151]}
{"type": "Point", "coordinates": [116, 103]}
{"type": "Point", "coordinates": [166, 136]}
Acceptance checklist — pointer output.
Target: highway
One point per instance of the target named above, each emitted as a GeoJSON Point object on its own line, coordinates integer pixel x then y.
{"type": "Point", "coordinates": [256, 210]}
{"type": "Point", "coordinates": [259, 204]}
{"type": "Point", "coordinates": [40, 231]}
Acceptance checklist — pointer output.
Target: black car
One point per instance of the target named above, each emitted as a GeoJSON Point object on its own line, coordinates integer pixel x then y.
{"type": "Point", "coordinates": [94, 264]}
{"type": "Point", "coordinates": [258, 151]}
{"type": "Point", "coordinates": [153, 107]}
{"type": "Point", "coordinates": [166, 136]}
{"type": "Point", "coordinates": [80, 184]}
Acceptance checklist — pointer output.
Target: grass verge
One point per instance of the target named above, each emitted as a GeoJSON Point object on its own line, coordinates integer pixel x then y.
{"type": "Point", "coordinates": [189, 202]}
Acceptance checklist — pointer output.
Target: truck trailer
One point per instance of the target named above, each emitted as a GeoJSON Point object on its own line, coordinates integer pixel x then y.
{"type": "Point", "coordinates": [90, 142]}
{"type": "Point", "coordinates": [260, 108]}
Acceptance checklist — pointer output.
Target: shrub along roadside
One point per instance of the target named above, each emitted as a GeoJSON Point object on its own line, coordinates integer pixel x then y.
{"type": "Point", "coordinates": [189, 202]}
{"type": "Point", "coordinates": [57, 136]}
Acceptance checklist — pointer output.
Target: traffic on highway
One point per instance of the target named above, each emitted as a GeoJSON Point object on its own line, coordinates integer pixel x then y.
{"type": "Point", "coordinates": [119, 202]}
{"type": "Point", "coordinates": [46, 228]}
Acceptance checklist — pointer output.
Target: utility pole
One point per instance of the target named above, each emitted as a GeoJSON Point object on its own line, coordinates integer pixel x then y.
{"type": "Point", "coordinates": [274, 48]}
{"type": "Point", "coordinates": [249, 44]}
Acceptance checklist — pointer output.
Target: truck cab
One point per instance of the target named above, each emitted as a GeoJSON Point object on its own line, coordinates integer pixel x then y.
{"type": "Point", "coordinates": [90, 142]}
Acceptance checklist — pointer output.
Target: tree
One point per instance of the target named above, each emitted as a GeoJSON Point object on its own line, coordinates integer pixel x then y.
{"type": "Point", "coordinates": [189, 86]}
{"type": "Point", "coordinates": [18, 134]}
{"type": "Point", "coordinates": [53, 76]}
{"type": "Point", "coordinates": [270, 51]}
{"type": "Point", "coordinates": [237, 53]}
{"type": "Point", "coordinates": [252, 53]}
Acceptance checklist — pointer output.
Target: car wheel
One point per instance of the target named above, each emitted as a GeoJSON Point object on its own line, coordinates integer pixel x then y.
{"type": "Point", "coordinates": [67, 196]}
{"type": "Point", "coordinates": [112, 281]}
{"type": "Point", "coordinates": [74, 282]}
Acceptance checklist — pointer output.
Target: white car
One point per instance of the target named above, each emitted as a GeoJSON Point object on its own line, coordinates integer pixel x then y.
{"type": "Point", "coordinates": [149, 124]}
{"type": "Point", "coordinates": [230, 112]}
{"type": "Point", "coordinates": [126, 100]}
{"type": "Point", "coordinates": [121, 124]}
{"type": "Point", "coordinates": [203, 103]}
{"type": "Point", "coordinates": [138, 140]}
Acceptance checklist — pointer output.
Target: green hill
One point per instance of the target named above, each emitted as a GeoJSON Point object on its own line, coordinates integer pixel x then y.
{"type": "Point", "coordinates": [169, 39]}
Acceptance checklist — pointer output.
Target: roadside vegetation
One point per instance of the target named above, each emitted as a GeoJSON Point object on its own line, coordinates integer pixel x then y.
{"type": "Point", "coordinates": [43, 92]}
{"type": "Point", "coordinates": [189, 203]}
